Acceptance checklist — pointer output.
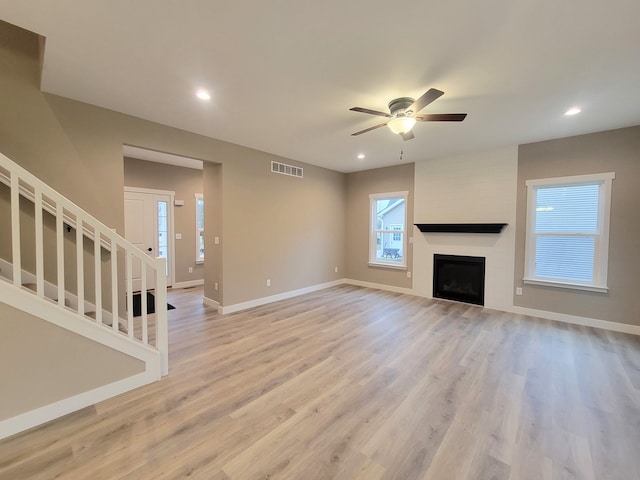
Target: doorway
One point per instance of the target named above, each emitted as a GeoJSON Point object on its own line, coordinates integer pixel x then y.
{"type": "Point", "coordinates": [148, 224]}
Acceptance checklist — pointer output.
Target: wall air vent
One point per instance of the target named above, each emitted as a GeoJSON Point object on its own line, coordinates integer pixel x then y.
{"type": "Point", "coordinates": [284, 169]}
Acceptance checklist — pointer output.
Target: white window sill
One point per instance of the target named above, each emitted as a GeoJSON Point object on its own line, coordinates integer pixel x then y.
{"type": "Point", "coordinates": [572, 286]}
{"type": "Point", "coordinates": [387, 265]}
{"type": "Point", "coordinates": [199, 262]}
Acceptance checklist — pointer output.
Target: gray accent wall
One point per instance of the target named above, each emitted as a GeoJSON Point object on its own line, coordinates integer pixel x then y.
{"type": "Point", "coordinates": [612, 151]}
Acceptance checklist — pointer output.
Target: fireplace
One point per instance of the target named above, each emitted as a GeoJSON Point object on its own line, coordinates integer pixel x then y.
{"type": "Point", "coordinates": [459, 278]}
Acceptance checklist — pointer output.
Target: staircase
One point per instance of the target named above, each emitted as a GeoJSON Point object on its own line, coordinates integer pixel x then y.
{"type": "Point", "coordinates": [64, 266]}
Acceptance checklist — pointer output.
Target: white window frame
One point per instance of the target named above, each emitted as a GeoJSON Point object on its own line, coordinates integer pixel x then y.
{"type": "Point", "coordinates": [199, 257]}
{"type": "Point", "coordinates": [397, 228]}
{"type": "Point", "coordinates": [374, 230]}
{"type": "Point", "coordinates": [599, 282]}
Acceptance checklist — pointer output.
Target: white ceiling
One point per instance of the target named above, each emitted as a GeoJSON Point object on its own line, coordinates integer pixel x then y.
{"type": "Point", "coordinates": [284, 73]}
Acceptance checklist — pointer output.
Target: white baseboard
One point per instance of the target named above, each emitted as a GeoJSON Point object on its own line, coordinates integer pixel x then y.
{"type": "Point", "coordinates": [210, 303]}
{"type": "Point", "coordinates": [275, 298]}
{"type": "Point", "coordinates": [380, 286]}
{"type": "Point", "coordinates": [554, 316]}
{"type": "Point", "coordinates": [41, 415]}
{"type": "Point", "coordinates": [576, 320]}
{"type": "Point", "coordinates": [190, 283]}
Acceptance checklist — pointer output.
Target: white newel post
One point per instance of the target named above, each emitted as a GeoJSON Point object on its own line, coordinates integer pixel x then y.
{"type": "Point", "coordinates": [162, 328]}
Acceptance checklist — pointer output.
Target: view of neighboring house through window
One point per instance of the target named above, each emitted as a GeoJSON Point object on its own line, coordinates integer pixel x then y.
{"type": "Point", "coordinates": [163, 232]}
{"type": "Point", "coordinates": [388, 237]}
{"type": "Point", "coordinates": [199, 228]}
{"type": "Point", "coordinates": [568, 231]}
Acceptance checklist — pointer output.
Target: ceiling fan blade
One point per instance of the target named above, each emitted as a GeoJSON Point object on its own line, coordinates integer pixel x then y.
{"type": "Point", "coordinates": [370, 112]}
{"type": "Point", "coordinates": [368, 129]}
{"type": "Point", "coordinates": [441, 117]}
{"type": "Point", "coordinates": [430, 95]}
{"type": "Point", "coordinates": [407, 136]}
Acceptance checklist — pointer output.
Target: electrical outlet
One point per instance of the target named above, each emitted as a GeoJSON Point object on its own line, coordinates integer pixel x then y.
{"type": "Point", "coordinates": [268, 282]}
{"type": "Point", "coordinates": [408, 274]}
{"type": "Point", "coordinates": [215, 286]}
{"type": "Point", "coordinates": [335, 269]}
{"type": "Point", "coordinates": [178, 236]}
{"type": "Point", "coordinates": [519, 291]}
{"type": "Point", "coordinates": [190, 269]}
{"type": "Point", "coordinates": [216, 240]}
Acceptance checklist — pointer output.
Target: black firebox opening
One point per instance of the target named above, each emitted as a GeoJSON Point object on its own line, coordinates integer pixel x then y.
{"type": "Point", "coordinates": [459, 278]}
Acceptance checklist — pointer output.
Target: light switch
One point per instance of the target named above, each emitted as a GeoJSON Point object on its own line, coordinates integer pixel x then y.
{"type": "Point", "coordinates": [178, 236]}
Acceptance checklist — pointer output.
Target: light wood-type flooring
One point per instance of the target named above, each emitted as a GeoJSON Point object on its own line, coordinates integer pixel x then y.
{"type": "Point", "coordinates": [355, 383]}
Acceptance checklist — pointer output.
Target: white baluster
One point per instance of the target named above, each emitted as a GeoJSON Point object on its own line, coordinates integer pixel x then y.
{"type": "Point", "coordinates": [162, 329]}
{"type": "Point", "coordinates": [15, 230]}
{"type": "Point", "coordinates": [143, 301]}
{"type": "Point", "coordinates": [80, 264]}
{"type": "Point", "coordinates": [39, 242]}
{"type": "Point", "coordinates": [114, 285]}
{"type": "Point", "coordinates": [129, 261]}
{"type": "Point", "coordinates": [60, 252]}
{"type": "Point", "coordinates": [98, 273]}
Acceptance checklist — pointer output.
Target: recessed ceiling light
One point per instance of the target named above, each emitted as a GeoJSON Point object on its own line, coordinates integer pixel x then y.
{"type": "Point", "coordinates": [573, 111]}
{"type": "Point", "coordinates": [203, 95]}
{"type": "Point", "coordinates": [361, 156]}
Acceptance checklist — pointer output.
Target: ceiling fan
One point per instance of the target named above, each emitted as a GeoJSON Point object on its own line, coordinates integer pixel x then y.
{"type": "Point", "coordinates": [403, 114]}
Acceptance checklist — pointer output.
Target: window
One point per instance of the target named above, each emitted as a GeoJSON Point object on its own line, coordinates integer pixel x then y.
{"type": "Point", "coordinates": [387, 243]}
{"type": "Point", "coordinates": [568, 231]}
{"type": "Point", "coordinates": [397, 237]}
{"type": "Point", "coordinates": [199, 228]}
{"type": "Point", "coordinates": [163, 233]}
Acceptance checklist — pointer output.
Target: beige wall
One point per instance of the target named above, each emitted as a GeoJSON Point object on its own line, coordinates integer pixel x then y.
{"type": "Point", "coordinates": [41, 363]}
{"type": "Point", "coordinates": [286, 229]}
{"type": "Point", "coordinates": [185, 182]}
{"type": "Point", "coordinates": [613, 151]}
{"type": "Point", "coordinates": [212, 175]}
{"type": "Point", "coordinates": [359, 186]}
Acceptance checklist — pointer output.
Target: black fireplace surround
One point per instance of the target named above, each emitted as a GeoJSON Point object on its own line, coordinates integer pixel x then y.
{"type": "Point", "coordinates": [459, 278]}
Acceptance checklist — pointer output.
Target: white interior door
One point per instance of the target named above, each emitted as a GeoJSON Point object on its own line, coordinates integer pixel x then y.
{"type": "Point", "coordinates": [147, 225]}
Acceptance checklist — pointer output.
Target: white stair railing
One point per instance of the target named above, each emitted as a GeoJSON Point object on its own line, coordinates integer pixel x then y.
{"type": "Point", "coordinates": [111, 263]}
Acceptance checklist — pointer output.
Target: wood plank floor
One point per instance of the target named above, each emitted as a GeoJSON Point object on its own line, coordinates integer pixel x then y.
{"type": "Point", "coordinates": [354, 383]}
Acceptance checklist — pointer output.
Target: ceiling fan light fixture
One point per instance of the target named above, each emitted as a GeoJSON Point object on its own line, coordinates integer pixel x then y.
{"type": "Point", "coordinates": [402, 124]}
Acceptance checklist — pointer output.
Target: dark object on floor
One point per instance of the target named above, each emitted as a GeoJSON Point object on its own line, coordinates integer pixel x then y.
{"type": "Point", "coordinates": [151, 304]}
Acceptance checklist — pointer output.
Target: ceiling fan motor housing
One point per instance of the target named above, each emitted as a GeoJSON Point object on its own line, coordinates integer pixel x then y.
{"type": "Point", "coordinates": [399, 105]}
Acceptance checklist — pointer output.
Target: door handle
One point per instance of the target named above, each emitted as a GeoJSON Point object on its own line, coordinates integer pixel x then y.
{"type": "Point", "coordinates": [149, 249]}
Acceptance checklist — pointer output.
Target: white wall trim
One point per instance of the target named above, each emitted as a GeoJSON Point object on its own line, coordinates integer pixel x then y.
{"type": "Point", "coordinates": [152, 191]}
{"type": "Point", "coordinates": [38, 416]}
{"type": "Point", "coordinates": [27, 301]}
{"type": "Point", "coordinates": [576, 320]}
{"type": "Point", "coordinates": [211, 303]}
{"type": "Point", "coordinates": [190, 283]}
{"type": "Point", "coordinates": [380, 286]}
{"type": "Point", "coordinates": [275, 298]}
{"type": "Point", "coordinates": [554, 316]}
